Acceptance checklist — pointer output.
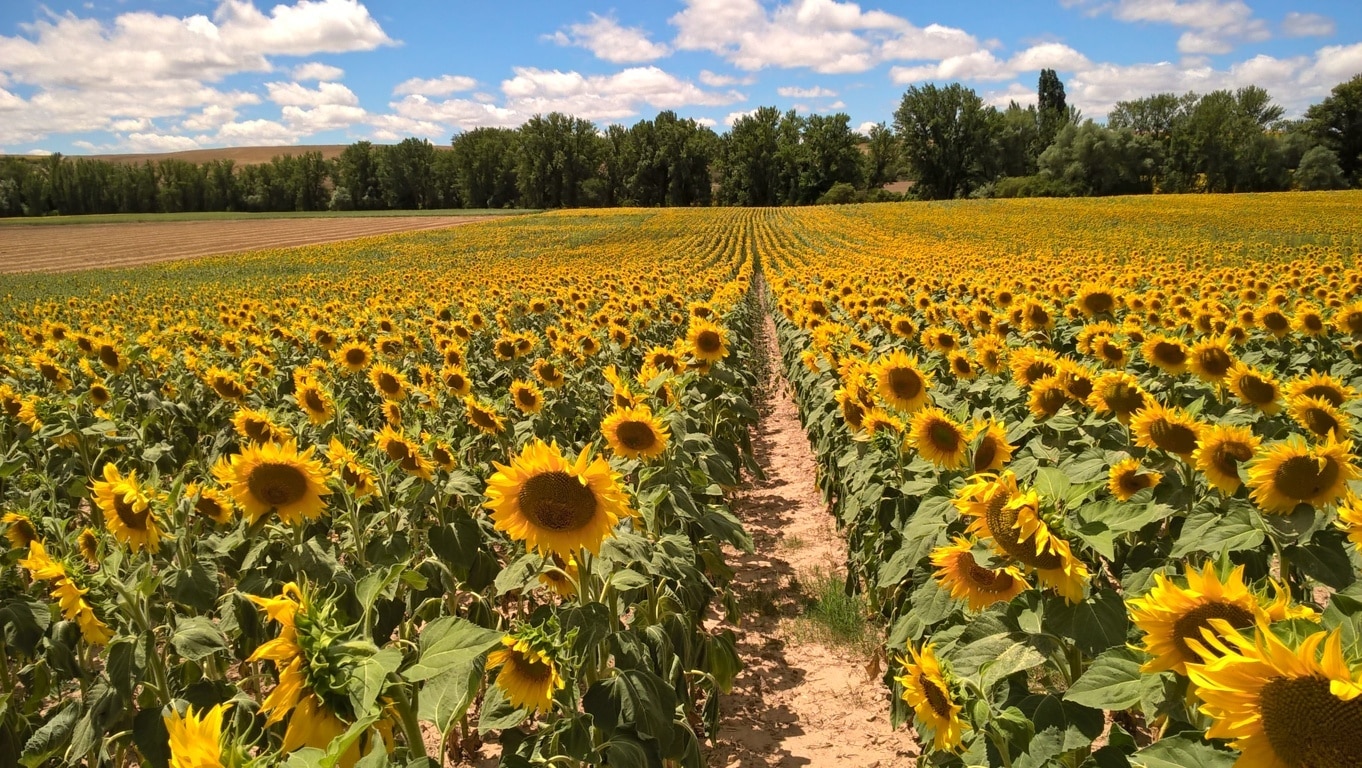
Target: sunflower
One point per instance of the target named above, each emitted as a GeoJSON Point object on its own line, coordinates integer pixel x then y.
{"type": "Point", "coordinates": [1319, 416]}
{"type": "Point", "coordinates": [88, 545]}
{"type": "Point", "coordinates": [353, 356]}
{"type": "Point", "coordinates": [1281, 707]}
{"type": "Point", "coordinates": [1125, 479]}
{"type": "Point", "coordinates": [999, 510]}
{"type": "Point", "coordinates": [938, 438]}
{"type": "Point", "coordinates": [70, 597]}
{"type": "Point", "coordinates": [258, 427]}
{"type": "Point", "coordinates": [99, 393]}
{"type": "Point", "coordinates": [1170, 615]}
{"type": "Point", "coordinates": [879, 421]}
{"type": "Point", "coordinates": [1120, 393]}
{"type": "Point", "coordinates": [549, 374]}
{"type": "Point", "coordinates": [196, 740]}
{"type": "Point", "coordinates": [1350, 519]}
{"type": "Point", "coordinates": [1321, 385]}
{"type": "Point", "coordinates": [1097, 300]}
{"type": "Point", "coordinates": [405, 453]}
{"type": "Point", "coordinates": [1348, 320]}
{"type": "Point", "coordinates": [1254, 387]}
{"type": "Point", "coordinates": [852, 408]}
{"type": "Point", "coordinates": [211, 503]}
{"type": "Point", "coordinates": [635, 433]}
{"type": "Point", "coordinates": [1166, 352]}
{"type": "Point", "coordinates": [708, 341]}
{"type": "Point", "coordinates": [483, 417]}
{"type": "Point", "coordinates": [529, 676]}
{"type": "Point", "coordinates": [347, 466]}
{"type": "Point", "coordinates": [1030, 365]}
{"type": "Point", "coordinates": [126, 505]}
{"type": "Point", "coordinates": [560, 575]}
{"type": "Point", "coordinates": [275, 476]}
{"type": "Point", "coordinates": [900, 381]}
{"type": "Point", "coordinates": [1211, 359]}
{"type": "Point", "coordinates": [961, 575]}
{"type": "Point", "coordinates": [528, 397]}
{"type": "Point", "coordinates": [316, 403]}
{"type": "Point", "coordinates": [456, 381]}
{"type": "Point", "coordinates": [227, 384]}
{"type": "Point", "coordinates": [19, 530]}
{"type": "Point", "coordinates": [553, 505]}
{"type": "Point", "coordinates": [1171, 430]}
{"type": "Point", "coordinates": [991, 449]}
{"type": "Point", "coordinates": [928, 692]}
{"type": "Point", "coordinates": [1292, 472]}
{"type": "Point", "coordinates": [1047, 397]}
{"type": "Point", "coordinates": [1221, 450]}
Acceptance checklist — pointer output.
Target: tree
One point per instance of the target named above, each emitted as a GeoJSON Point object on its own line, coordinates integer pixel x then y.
{"type": "Point", "coordinates": [1337, 122]}
{"type": "Point", "coordinates": [750, 166]}
{"type": "Point", "coordinates": [405, 171]}
{"type": "Point", "coordinates": [946, 138]}
{"type": "Point", "coordinates": [1018, 134]}
{"type": "Point", "coordinates": [1320, 169]}
{"type": "Point", "coordinates": [557, 154]}
{"type": "Point", "coordinates": [485, 167]}
{"type": "Point", "coordinates": [883, 157]}
{"type": "Point", "coordinates": [1052, 110]}
{"type": "Point", "coordinates": [1154, 116]}
{"type": "Point", "coordinates": [1090, 159]}
{"type": "Point", "coordinates": [357, 174]}
{"type": "Point", "coordinates": [832, 154]}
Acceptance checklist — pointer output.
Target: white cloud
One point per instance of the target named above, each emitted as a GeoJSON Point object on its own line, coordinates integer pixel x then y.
{"type": "Point", "coordinates": [733, 117]}
{"type": "Point", "coordinates": [983, 65]}
{"type": "Point", "coordinates": [38, 152]}
{"type": "Point", "coordinates": [1213, 26]}
{"type": "Point", "coordinates": [210, 118]}
{"type": "Point", "coordinates": [326, 94]}
{"type": "Point", "coordinates": [255, 133]}
{"type": "Point", "coordinates": [1298, 24]}
{"type": "Point", "coordinates": [605, 97]}
{"type": "Point", "coordinates": [314, 70]}
{"type": "Point", "coordinates": [439, 86]}
{"type": "Point", "coordinates": [608, 40]}
{"type": "Point", "coordinates": [134, 124]}
{"type": "Point", "coordinates": [9, 101]}
{"type": "Point", "coordinates": [864, 128]}
{"type": "Point", "coordinates": [156, 142]}
{"type": "Point", "coordinates": [816, 92]}
{"type": "Point", "coordinates": [1023, 95]}
{"type": "Point", "coordinates": [707, 122]}
{"type": "Point", "coordinates": [823, 35]}
{"type": "Point", "coordinates": [715, 80]}
{"type": "Point", "coordinates": [88, 74]}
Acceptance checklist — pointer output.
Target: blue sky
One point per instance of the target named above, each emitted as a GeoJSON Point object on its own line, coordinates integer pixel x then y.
{"type": "Point", "coordinates": [153, 75]}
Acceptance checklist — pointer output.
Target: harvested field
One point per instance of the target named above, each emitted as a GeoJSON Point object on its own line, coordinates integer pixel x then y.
{"type": "Point", "coordinates": [60, 249]}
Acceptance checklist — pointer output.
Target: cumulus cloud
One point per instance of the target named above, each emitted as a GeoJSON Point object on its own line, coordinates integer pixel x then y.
{"type": "Point", "coordinates": [1298, 24]}
{"type": "Point", "coordinates": [439, 86]}
{"type": "Point", "coordinates": [864, 128]}
{"type": "Point", "coordinates": [733, 117]}
{"type": "Point", "coordinates": [158, 142]}
{"type": "Point", "coordinates": [1212, 26]}
{"type": "Point", "coordinates": [823, 35]}
{"type": "Point", "coordinates": [816, 92]}
{"type": "Point", "coordinates": [715, 80]}
{"type": "Point", "coordinates": [153, 66]}
{"type": "Point", "coordinates": [297, 95]}
{"type": "Point", "coordinates": [608, 40]}
{"type": "Point", "coordinates": [314, 70]}
{"type": "Point", "coordinates": [983, 65]}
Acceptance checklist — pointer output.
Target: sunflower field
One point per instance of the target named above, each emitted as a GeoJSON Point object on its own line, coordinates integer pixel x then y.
{"type": "Point", "coordinates": [1097, 466]}
{"type": "Point", "coordinates": [361, 504]}
{"type": "Point", "coordinates": [368, 503]}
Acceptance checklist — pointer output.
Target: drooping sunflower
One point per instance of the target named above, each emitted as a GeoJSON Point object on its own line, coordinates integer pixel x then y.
{"type": "Point", "coordinates": [405, 453]}
{"type": "Point", "coordinates": [560, 576]}
{"type": "Point", "coordinates": [483, 417]}
{"type": "Point", "coordinates": [553, 505]}
{"type": "Point", "coordinates": [1321, 385]}
{"type": "Point", "coordinates": [1171, 430]}
{"type": "Point", "coordinates": [227, 384]}
{"type": "Point", "coordinates": [1221, 451]}
{"type": "Point", "coordinates": [553, 378]}
{"type": "Point", "coordinates": [70, 597]}
{"type": "Point", "coordinates": [1211, 359]}
{"type": "Point", "coordinates": [991, 449]}
{"type": "Point", "coordinates": [19, 529]}
{"type": "Point", "coordinates": [1319, 416]}
{"type": "Point", "coordinates": [852, 407]}
{"type": "Point", "coordinates": [126, 505]}
{"type": "Point", "coordinates": [938, 438]}
{"type": "Point", "coordinates": [961, 575]}
{"type": "Point", "coordinates": [1254, 387]}
{"type": "Point", "coordinates": [635, 433]}
{"type": "Point", "coordinates": [88, 545]}
{"type": "Point", "coordinates": [1170, 615]}
{"type": "Point", "coordinates": [1293, 472]}
{"type": "Point", "coordinates": [456, 381]}
{"type": "Point", "coordinates": [258, 427]}
{"type": "Point", "coordinates": [999, 510]}
{"type": "Point", "coordinates": [927, 690]}
{"type": "Point", "coordinates": [390, 383]}
{"type": "Point", "coordinates": [1125, 479]}
{"type": "Point", "coordinates": [529, 676]}
{"type": "Point", "coordinates": [1120, 393]}
{"type": "Point", "coordinates": [275, 477]}
{"type": "Point", "coordinates": [210, 503]}
{"type": "Point", "coordinates": [527, 396]}
{"type": "Point", "coordinates": [1281, 707]}
{"type": "Point", "coordinates": [708, 341]}
{"type": "Point", "coordinates": [1047, 397]}
{"type": "Point", "coordinates": [196, 740]}
{"type": "Point", "coordinates": [901, 382]}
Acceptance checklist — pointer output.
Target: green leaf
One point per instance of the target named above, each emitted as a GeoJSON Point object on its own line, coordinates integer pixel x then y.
{"type": "Point", "coordinates": [1096, 624]}
{"type": "Point", "coordinates": [151, 737]}
{"type": "Point", "coordinates": [449, 643]}
{"type": "Point", "coordinates": [1211, 532]}
{"type": "Point", "coordinates": [377, 584]}
{"type": "Point", "coordinates": [1112, 682]}
{"type": "Point", "coordinates": [446, 697]}
{"type": "Point", "coordinates": [369, 677]}
{"type": "Point", "coordinates": [195, 585]}
{"type": "Point", "coordinates": [196, 638]}
{"type": "Point", "coordinates": [52, 737]}
{"type": "Point", "coordinates": [497, 713]}
{"type": "Point", "coordinates": [1182, 751]}
{"type": "Point", "coordinates": [635, 699]}
{"type": "Point", "coordinates": [1052, 483]}
{"type": "Point", "coordinates": [1060, 726]}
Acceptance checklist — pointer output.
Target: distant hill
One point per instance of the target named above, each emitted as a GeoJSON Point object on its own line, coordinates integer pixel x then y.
{"type": "Point", "coordinates": [240, 155]}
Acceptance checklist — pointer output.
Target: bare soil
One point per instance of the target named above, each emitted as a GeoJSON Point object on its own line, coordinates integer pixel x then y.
{"type": "Point", "coordinates": [797, 702]}
{"type": "Point", "coordinates": [88, 246]}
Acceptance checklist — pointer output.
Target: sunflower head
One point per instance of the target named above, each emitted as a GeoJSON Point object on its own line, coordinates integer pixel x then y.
{"type": "Point", "coordinates": [1125, 479]}
{"type": "Point", "coordinates": [708, 340]}
{"type": "Point", "coordinates": [1220, 453]}
{"type": "Point", "coordinates": [1319, 416]}
{"type": "Point", "coordinates": [1174, 617]}
{"type": "Point", "coordinates": [938, 438]}
{"type": "Point", "coordinates": [258, 427]}
{"type": "Point", "coordinates": [991, 449]}
{"type": "Point", "coordinates": [1211, 359]}
{"type": "Point", "coordinates": [960, 573]}
{"type": "Point", "coordinates": [19, 530]}
{"type": "Point", "coordinates": [529, 674]}
{"type": "Point", "coordinates": [1047, 397]}
{"type": "Point", "coordinates": [901, 382]}
{"type": "Point", "coordinates": [1120, 393]}
{"type": "Point", "coordinates": [528, 397]}
{"type": "Point", "coordinates": [556, 506]}
{"type": "Point", "coordinates": [635, 433]}
{"type": "Point", "coordinates": [1172, 430]}
{"type": "Point", "coordinates": [275, 477]}
{"type": "Point", "coordinates": [483, 417]}
{"type": "Point", "coordinates": [1254, 387]}
{"type": "Point", "coordinates": [1167, 353]}
{"type": "Point", "coordinates": [1292, 472]}
{"type": "Point", "coordinates": [927, 690]}
{"type": "Point", "coordinates": [127, 507]}
{"type": "Point", "coordinates": [1322, 385]}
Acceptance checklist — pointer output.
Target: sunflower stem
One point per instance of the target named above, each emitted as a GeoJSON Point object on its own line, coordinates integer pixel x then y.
{"type": "Point", "coordinates": [410, 727]}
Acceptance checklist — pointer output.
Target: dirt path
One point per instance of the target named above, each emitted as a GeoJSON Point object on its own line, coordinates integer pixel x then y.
{"type": "Point", "coordinates": [798, 702]}
{"type": "Point", "coordinates": [58, 248]}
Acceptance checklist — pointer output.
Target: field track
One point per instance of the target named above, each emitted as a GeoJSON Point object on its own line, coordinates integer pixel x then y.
{"type": "Point", "coordinates": [64, 249]}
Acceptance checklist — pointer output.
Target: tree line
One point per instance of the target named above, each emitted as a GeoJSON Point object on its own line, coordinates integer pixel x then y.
{"type": "Point", "coordinates": [944, 139]}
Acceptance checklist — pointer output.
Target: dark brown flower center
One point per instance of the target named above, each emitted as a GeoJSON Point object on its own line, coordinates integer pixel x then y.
{"type": "Point", "coordinates": [1002, 523]}
{"type": "Point", "coordinates": [356, 357]}
{"type": "Point", "coordinates": [1302, 478]}
{"type": "Point", "coordinates": [1228, 455]}
{"type": "Point", "coordinates": [1123, 399]}
{"type": "Point", "coordinates": [709, 342]}
{"type": "Point", "coordinates": [1214, 361]}
{"type": "Point", "coordinates": [985, 453]}
{"type": "Point", "coordinates": [1319, 420]}
{"type": "Point", "coordinates": [1309, 727]}
{"type": "Point", "coordinates": [1257, 390]}
{"type": "Point", "coordinates": [1325, 392]}
{"type": "Point", "coordinates": [313, 400]}
{"type": "Point", "coordinates": [389, 384]}
{"type": "Point", "coordinates": [636, 435]}
{"type": "Point", "coordinates": [278, 485]}
{"type": "Point", "coordinates": [1189, 626]}
{"type": "Point", "coordinates": [1169, 353]}
{"type": "Point", "coordinates": [987, 579]}
{"type": "Point", "coordinates": [1051, 399]}
{"type": "Point", "coordinates": [905, 383]}
{"type": "Point", "coordinates": [557, 501]}
{"type": "Point", "coordinates": [1132, 482]}
{"type": "Point", "coordinates": [1276, 322]}
{"type": "Point", "coordinates": [1172, 436]}
{"type": "Point", "coordinates": [936, 698]}
{"type": "Point", "coordinates": [944, 436]}
{"type": "Point", "coordinates": [1098, 302]}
